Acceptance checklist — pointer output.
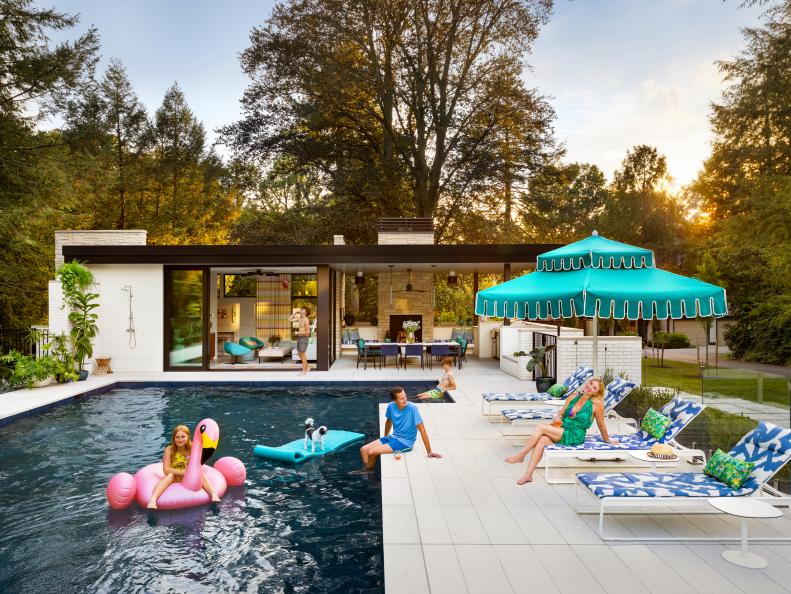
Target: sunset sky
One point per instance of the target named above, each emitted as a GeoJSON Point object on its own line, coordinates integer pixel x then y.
{"type": "Point", "coordinates": [620, 72]}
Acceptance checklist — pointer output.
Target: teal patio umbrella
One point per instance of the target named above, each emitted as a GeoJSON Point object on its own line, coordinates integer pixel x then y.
{"type": "Point", "coordinates": [600, 278]}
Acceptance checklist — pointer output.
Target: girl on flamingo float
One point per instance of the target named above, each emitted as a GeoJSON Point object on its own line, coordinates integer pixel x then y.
{"type": "Point", "coordinates": [174, 462]}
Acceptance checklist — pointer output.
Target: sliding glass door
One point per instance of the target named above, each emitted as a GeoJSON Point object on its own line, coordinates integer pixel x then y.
{"type": "Point", "coordinates": [186, 322]}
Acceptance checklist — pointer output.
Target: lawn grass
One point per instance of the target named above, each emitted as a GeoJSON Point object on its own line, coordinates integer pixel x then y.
{"type": "Point", "coordinates": [730, 383]}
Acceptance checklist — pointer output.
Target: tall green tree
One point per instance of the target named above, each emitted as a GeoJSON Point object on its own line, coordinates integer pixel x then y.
{"type": "Point", "coordinates": [37, 77]}
{"type": "Point", "coordinates": [640, 209]}
{"type": "Point", "coordinates": [746, 189]}
{"type": "Point", "coordinates": [399, 95]}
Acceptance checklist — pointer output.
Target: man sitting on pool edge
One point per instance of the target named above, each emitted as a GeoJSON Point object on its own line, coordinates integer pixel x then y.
{"type": "Point", "coordinates": [403, 417]}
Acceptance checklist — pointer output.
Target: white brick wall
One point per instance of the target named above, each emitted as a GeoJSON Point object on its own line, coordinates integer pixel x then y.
{"type": "Point", "coordinates": [520, 338]}
{"type": "Point", "coordinates": [622, 354]}
{"type": "Point", "coordinates": [113, 339]}
{"type": "Point", "coordinates": [99, 237]}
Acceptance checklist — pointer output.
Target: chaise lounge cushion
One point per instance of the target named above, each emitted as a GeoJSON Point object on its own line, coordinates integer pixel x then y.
{"type": "Point", "coordinates": [656, 484]}
{"type": "Point", "coordinates": [572, 382]}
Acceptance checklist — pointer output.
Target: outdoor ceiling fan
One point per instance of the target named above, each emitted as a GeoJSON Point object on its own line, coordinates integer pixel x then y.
{"type": "Point", "coordinates": [258, 272]}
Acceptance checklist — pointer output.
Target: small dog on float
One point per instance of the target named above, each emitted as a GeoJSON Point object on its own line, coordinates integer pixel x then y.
{"type": "Point", "coordinates": [314, 434]}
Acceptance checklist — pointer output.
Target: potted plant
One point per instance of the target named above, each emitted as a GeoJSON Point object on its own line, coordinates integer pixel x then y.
{"type": "Point", "coordinates": [61, 348]}
{"type": "Point", "coordinates": [349, 319]}
{"type": "Point", "coordinates": [537, 361]}
{"type": "Point", "coordinates": [75, 280]}
{"type": "Point", "coordinates": [28, 371]}
{"type": "Point", "coordinates": [275, 339]}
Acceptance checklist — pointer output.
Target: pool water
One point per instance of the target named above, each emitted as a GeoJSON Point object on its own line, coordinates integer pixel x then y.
{"type": "Point", "coordinates": [312, 527]}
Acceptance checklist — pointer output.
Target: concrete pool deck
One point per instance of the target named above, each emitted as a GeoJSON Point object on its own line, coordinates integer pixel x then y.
{"type": "Point", "coordinates": [461, 524]}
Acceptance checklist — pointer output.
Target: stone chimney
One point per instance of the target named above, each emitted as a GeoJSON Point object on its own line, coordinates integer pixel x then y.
{"type": "Point", "coordinates": [400, 304]}
{"type": "Point", "coordinates": [100, 237]}
{"type": "Point", "coordinates": [406, 231]}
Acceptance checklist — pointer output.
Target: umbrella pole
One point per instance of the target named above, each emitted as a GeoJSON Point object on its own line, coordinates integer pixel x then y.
{"type": "Point", "coordinates": [595, 362]}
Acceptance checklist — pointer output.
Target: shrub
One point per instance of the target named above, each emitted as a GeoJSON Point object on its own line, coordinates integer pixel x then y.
{"type": "Point", "coordinates": [670, 340]}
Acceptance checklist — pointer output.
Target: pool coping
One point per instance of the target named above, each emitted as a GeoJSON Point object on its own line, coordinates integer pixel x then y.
{"type": "Point", "coordinates": [53, 397]}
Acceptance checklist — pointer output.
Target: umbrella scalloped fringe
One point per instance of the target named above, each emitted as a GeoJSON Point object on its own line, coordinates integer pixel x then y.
{"type": "Point", "coordinates": [568, 309]}
{"type": "Point", "coordinates": [562, 263]}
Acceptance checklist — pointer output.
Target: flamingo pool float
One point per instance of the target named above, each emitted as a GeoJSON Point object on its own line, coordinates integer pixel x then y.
{"type": "Point", "coordinates": [227, 471]}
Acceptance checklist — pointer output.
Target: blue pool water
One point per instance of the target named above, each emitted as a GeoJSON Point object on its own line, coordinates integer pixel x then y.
{"type": "Point", "coordinates": [311, 528]}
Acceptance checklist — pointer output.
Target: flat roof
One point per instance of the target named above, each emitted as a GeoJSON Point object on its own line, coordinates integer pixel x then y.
{"type": "Point", "coordinates": [370, 258]}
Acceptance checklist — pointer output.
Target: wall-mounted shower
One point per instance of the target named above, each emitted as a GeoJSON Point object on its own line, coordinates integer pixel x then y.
{"type": "Point", "coordinates": [131, 329]}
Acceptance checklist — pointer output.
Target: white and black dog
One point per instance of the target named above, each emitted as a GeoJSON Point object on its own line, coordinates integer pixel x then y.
{"type": "Point", "coordinates": [314, 434]}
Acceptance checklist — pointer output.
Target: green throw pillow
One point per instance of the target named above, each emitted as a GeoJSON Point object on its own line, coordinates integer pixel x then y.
{"type": "Point", "coordinates": [557, 391]}
{"type": "Point", "coordinates": [731, 471]}
{"type": "Point", "coordinates": [655, 423]}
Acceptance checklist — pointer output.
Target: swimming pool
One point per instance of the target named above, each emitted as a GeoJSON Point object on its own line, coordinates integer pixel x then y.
{"type": "Point", "coordinates": [293, 529]}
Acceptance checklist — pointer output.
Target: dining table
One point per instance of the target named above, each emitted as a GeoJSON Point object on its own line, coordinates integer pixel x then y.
{"type": "Point", "coordinates": [454, 346]}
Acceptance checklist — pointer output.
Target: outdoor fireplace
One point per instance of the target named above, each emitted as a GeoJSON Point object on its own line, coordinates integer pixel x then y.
{"type": "Point", "coordinates": [396, 325]}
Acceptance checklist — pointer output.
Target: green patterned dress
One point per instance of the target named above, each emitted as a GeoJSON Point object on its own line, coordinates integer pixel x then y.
{"type": "Point", "coordinates": [574, 428]}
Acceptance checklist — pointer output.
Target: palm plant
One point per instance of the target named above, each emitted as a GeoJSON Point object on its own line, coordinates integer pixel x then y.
{"type": "Point", "coordinates": [83, 325]}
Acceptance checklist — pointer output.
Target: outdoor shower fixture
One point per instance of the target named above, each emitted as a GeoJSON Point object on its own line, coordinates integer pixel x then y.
{"type": "Point", "coordinates": [131, 328]}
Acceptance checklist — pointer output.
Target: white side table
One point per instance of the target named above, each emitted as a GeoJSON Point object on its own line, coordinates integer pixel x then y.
{"type": "Point", "coordinates": [743, 508]}
{"type": "Point", "coordinates": [643, 456]}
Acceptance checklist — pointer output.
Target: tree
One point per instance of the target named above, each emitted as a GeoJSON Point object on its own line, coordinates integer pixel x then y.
{"type": "Point", "coordinates": [36, 78]}
{"type": "Point", "coordinates": [564, 202]}
{"type": "Point", "coordinates": [745, 187]}
{"type": "Point", "coordinates": [639, 209]}
{"type": "Point", "coordinates": [398, 95]}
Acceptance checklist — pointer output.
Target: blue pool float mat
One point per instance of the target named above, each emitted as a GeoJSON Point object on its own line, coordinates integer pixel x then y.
{"type": "Point", "coordinates": [294, 453]}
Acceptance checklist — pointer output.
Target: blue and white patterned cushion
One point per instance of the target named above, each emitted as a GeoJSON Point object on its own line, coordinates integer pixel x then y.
{"type": "Point", "coordinates": [574, 381]}
{"type": "Point", "coordinates": [526, 414]}
{"type": "Point", "coordinates": [767, 446]}
{"type": "Point", "coordinates": [616, 390]}
{"type": "Point", "coordinates": [516, 396]}
{"type": "Point", "coordinates": [656, 484]}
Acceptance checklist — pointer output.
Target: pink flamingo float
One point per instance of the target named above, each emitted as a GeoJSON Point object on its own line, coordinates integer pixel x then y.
{"type": "Point", "coordinates": [227, 471]}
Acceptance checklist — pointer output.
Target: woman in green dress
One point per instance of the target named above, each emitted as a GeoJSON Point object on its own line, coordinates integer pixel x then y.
{"type": "Point", "coordinates": [569, 427]}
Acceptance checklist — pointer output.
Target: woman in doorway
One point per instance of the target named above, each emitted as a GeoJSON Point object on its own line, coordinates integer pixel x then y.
{"type": "Point", "coordinates": [303, 335]}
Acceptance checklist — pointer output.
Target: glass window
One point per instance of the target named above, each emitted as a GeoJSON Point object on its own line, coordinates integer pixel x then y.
{"type": "Point", "coordinates": [304, 285]}
{"type": "Point", "coordinates": [236, 285]}
{"type": "Point", "coordinates": [185, 328]}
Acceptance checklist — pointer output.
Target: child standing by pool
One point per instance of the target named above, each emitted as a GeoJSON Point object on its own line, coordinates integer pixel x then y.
{"type": "Point", "coordinates": [174, 465]}
{"type": "Point", "coordinates": [446, 382]}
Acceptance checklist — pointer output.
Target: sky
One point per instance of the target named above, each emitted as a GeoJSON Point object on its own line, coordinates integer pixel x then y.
{"type": "Point", "coordinates": [617, 72]}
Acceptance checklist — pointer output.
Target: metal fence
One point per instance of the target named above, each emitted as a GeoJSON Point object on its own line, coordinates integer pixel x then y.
{"type": "Point", "coordinates": [24, 341]}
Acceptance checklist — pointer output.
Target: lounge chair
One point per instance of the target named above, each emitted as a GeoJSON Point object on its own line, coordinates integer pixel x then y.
{"type": "Point", "coordinates": [252, 343]}
{"type": "Point", "coordinates": [614, 393]}
{"type": "Point", "coordinates": [572, 382]}
{"type": "Point", "coordinates": [767, 446]}
{"type": "Point", "coordinates": [595, 449]}
{"type": "Point", "coordinates": [235, 351]}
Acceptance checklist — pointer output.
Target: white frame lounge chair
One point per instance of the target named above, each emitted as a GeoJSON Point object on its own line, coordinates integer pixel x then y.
{"type": "Point", "coordinates": [614, 393]}
{"type": "Point", "coordinates": [596, 450]}
{"type": "Point", "coordinates": [768, 446]}
{"type": "Point", "coordinates": [490, 399]}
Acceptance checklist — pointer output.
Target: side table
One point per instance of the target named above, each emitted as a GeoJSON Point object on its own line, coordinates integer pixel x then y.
{"type": "Point", "coordinates": [744, 508]}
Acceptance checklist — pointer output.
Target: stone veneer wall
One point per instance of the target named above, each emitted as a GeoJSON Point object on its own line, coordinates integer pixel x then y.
{"type": "Point", "coordinates": [406, 303]}
{"type": "Point", "coordinates": [103, 237]}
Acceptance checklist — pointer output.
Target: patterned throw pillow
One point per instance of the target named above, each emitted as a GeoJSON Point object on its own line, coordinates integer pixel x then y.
{"type": "Point", "coordinates": [346, 339]}
{"type": "Point", "coordinates": [354, 335]}
{"type": "Point", "coordinates": [731, 471]}
{"type": "Point", "coordinates": [454, 334]}
{"type": "Point", "coordinates": [655, 423]}
{"type": "Point", "coordinates": [557, 391]}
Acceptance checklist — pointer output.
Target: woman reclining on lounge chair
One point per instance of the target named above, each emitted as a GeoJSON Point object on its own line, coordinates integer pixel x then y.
{"type": "Point", "coordinates": [569, 426]}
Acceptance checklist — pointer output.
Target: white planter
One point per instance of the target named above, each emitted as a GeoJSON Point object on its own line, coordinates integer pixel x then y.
{"type": "Point", "coordinates": [44, 383]}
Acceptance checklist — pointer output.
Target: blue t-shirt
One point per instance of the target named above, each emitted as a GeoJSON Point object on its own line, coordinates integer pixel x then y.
{"type": "Point", "coordinates": [405, 422]}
